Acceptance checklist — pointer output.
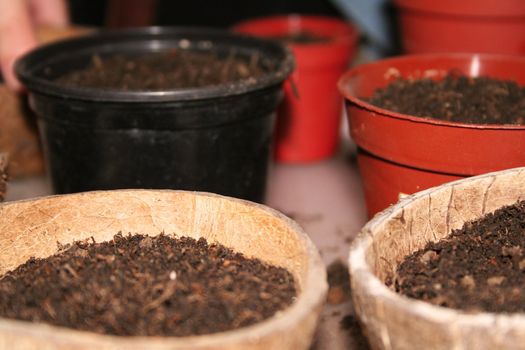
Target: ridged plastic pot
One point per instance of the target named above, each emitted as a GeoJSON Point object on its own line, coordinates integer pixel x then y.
{"type": "Point", "coordinates": [402, 154]}
{"type": "Point", "coordinates": [487, 26]}
{"type": "Point", "coordinates": [308, 124]}
{"type": "Point", "coordinates": [214, 138]}
{"type": "Point", "coordinates": [392, 321]}
{"type": "Point", "coordinates": [32, 228]}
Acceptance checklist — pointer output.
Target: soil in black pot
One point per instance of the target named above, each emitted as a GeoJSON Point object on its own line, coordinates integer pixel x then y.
{"type": "Point", "coordinates": [176, 69]}
{"type": "Point", "coordinates": [480, 267]}
{"type": "Point", "coordinates": [301, 38]}
{"type": "Point", "coordinates": [455, 98]}
{"type": "Point", "coordinates": [148, 286]}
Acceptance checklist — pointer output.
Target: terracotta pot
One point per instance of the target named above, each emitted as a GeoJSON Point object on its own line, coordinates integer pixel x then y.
{"type": "Point", "coordinates": [403, 154]}
{"type": "Point", "coordinates": [392, 321]}
{"type": "Point", "coordinates": [33, 228]}
{"type": "Point", "coordinates": [308, 124]}
{"type": "Point", "coordinates": [462, 26]}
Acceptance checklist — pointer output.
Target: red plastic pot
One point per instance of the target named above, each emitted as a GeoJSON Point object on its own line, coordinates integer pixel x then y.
{"type": "Point", "coordinates": [308, 125]}
{"type": "Point", "coordinates": [488, 26]}
{"type": "Point", "coordinates": [402, 154]}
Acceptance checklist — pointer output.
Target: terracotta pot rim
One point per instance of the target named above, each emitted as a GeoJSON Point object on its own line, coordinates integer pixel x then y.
{"type": "Point", "coordinates": [371, 285]}
{"type": "Point", "coordinates": [361, 70]}
{"type": "Point", "coordinates": [345, 33]}
{"type": "Point", "coordinates": [485, 9]}
{"type": "Point", "coordinates": [311, 296]}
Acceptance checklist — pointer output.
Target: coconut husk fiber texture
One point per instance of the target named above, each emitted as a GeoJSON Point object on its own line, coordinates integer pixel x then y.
{"type": "Point", "coordinates": [32, 228]}
{"type": "Point", "coordinates": [392, 321]}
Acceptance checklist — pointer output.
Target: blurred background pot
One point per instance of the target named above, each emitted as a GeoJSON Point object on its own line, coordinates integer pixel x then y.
{"type": "Point", "coordinates": [214, 138]}
{"type": "Point", "coordinates": [402, 154]}
{"type": "Point", "coordinates": [462, 26]}
{"type": "Point", "coordinates": [32, 228]}
{"type": "Point", "coordinates": [392, 321]}
{"type": "Point", "coordinates": [309, 118]}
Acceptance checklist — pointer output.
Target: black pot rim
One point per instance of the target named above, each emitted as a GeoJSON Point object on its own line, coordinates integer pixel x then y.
{"type": "Point", "coordinates": [27, 65]}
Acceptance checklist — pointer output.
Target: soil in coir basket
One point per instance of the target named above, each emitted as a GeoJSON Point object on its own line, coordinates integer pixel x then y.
{"type": "Point", "coordinates": [148, 286]}
{"type": "Point", "coordinates": [456, 98]}
{"type": "Point", "coordinates": [480, 267]}
{"type": "Point", "coordinates": [176, 69]}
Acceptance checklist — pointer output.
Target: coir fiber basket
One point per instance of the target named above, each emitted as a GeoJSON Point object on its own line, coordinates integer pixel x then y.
{"type": "Point", "coordinates": [33, 228]}
{"type": "Point", "coordinates": [392, 321]}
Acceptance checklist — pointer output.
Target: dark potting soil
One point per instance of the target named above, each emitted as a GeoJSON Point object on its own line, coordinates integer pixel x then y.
{"type": "Point", "coordinates": [339, 292]}
{"type": "Point", "coordinates": [148, 286]}
{"type": "Point", "coordinates": [480, 267]}
{"type": "Point", "coordinates": [350, 324]}
{"type": "Point", "coordinates": [456, 98]}
{"type": "Point", "coordinates": [338, 283]}
{"type": "Point", "coordinates": [303, 38]}
{"type": "Point", "coordinates": [176, 69]}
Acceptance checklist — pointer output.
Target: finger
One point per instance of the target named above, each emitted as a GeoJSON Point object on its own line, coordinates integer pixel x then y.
{"type": "Point", "coordinates": [50, 12]}
{"type": "Point", "coordinates": [16, 37]}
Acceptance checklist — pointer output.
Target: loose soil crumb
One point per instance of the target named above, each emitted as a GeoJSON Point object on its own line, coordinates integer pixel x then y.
{"type": "Point", "coordinates": [350, 324]}
{"type": "Point", "coordinates": [176, 69]}
{"type": "Point", "coordinates": [338, 283]}
{"type": "Point", "coordinates": [456, 98]}
{"type": "Point", "coordinates": [146, 286]}
{"type": "Point", "coordinates": [480, 267]}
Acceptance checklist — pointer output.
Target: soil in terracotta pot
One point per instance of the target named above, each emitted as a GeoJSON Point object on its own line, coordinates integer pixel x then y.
{"type": "Point", "coordinates": [455, 98]}
{"type": "Point", "coordinates": [480, 267]}
{"type": "Point", "coordinates": [140, 285]}
{"type": "Point", "coordinates": [301, 38]}
{"type": "Point", "coordinates": [176, 69]}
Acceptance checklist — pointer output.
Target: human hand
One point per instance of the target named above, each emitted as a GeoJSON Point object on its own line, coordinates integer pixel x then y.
{"type": "Point", "coordinates": [18, 19]}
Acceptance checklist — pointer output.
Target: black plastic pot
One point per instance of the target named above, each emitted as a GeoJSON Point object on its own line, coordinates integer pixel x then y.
{"type": "Point", "coordinates": [214, 139]}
